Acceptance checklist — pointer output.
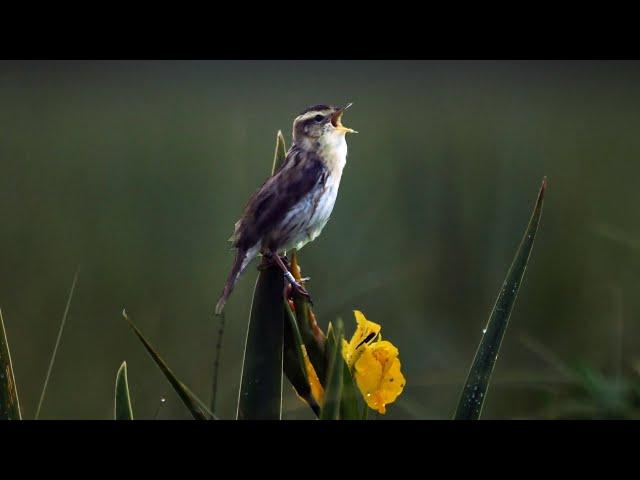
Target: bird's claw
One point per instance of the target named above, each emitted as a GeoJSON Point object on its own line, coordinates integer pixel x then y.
{"type": "Point", "coordinates": [297, 287]}
{"type": "Point", "coordinates": [300, 290]}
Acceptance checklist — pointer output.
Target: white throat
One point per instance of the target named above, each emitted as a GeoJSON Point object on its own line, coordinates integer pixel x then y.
{"type": "Point", "coordinates": [333, 150]}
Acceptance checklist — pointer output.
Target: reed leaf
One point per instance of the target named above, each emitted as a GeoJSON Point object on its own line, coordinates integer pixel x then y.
{"type": "Point", "coordinates": [9, 403]}
{"type": "Point", "coordinates": [195, 406]}
{"type": "Point", "coordinates": [122, 406]}
{"type": "Point", "coordinates": [475, 390]}
{"type": "Point", "coordinates": [335, 377]}
{"type": "Point", "coordinates": [352, 406]}
{"type": "Point", "coordinates": [54, 354]}
{"type": "Point", "coordinates": [261, 383]}
{"type": "Point", "coordinates": [262, 366]}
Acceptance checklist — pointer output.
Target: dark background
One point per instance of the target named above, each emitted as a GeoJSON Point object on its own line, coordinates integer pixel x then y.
{"type": "Point", "coordinates": [136, 171]}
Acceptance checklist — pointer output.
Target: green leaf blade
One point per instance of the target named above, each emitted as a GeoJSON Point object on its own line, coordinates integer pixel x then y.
{"type": "Point", "coordinates": [260, 394]}
{"type": "Point", "coordinates": [352, 406]}
{"type": "Point", "coordinates": [262, 368]}
{"type": "Point", "coordinates": [122, 407]}
{"type": "Point", "coordinates": [9, 403]}
{"type": "Point", "coordinates": [57, 344]}
{"type": "Point", "coordinates": [335, 379]}
{"type": "Point", "coordinates": [475, 389]}
{"type": "Point", "coordinates": [195, 406]}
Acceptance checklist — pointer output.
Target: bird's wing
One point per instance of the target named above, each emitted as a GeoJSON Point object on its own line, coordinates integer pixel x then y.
{"type": "Point", "coordinates": [300, 173]}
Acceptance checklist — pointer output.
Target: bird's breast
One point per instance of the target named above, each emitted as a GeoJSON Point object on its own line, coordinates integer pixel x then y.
{"type": "Point", "coordinates": [334, 157]}
{"type": "Point", "coordinates": [305, 221]}
{"type": "Point", "coordinates": [323, 207]}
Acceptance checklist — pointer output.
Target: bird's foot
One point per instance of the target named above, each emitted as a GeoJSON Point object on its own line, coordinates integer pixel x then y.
{"type": "Point", "coordinates": [297, 287]}
{"type": "Point", "coordinates": [300, 290]}
{"type": "Point", "coordinates": [280, 261]}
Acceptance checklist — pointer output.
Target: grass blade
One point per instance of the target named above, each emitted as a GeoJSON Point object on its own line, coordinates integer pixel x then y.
{"type": "Point", "coordinates": [352, 406]}
{"type": "Point", "coordinates": [280, 153]}
{"type": "Point", "coordinates": [57, 344]}
{"type": "Point", "coordinates": [9, 403]}
{"type": "Point", "coordinates": [475, 389]}
{"type": "Point", "coordinates": [260, 395]}
{"type": "Point", "coordinates": [122, 408]}
{"type": "Point", "coordinates": [197, 409]}
{"type": "Point", "coordinates": [333, 392]}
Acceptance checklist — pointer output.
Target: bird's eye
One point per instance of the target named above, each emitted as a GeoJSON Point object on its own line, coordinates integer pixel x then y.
{"type": "Point", "coordinates": [318, 118]}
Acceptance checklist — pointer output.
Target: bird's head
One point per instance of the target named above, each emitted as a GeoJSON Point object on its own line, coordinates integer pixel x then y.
{"type": "Point", "coordinates": [320, 123]}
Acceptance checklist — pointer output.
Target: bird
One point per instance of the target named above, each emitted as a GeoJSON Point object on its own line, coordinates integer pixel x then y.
{"type": "Point", "coordinates": [292, 206]}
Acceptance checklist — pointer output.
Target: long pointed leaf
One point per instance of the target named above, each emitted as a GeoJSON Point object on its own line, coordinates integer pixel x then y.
{"type": "Point", "coordinates": [260, 394]}
{"type": "Point", "coordinates": [261, 382]}
{"type": "Point", "coordinates": [9, 403]}
{"type": "Point", "coordinates": [197, 409]}
{"type": "Point", "coordinates": [122, 408]}
{"type": "Point", "coordinates": [352, 406]}
{"type": "Point", "coordinates": [333, 392]}
{"type": "Point", "coordinates": [475, 389]}
{"type": "Point", "coordinates": [57, 344]}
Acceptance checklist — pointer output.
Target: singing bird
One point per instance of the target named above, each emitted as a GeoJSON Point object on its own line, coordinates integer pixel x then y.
{"type": "Point", "coordinates": [294, 204]}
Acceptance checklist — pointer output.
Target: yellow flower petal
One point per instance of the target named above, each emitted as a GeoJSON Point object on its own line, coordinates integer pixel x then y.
{"type": "Point", "coordinates": [392, 382]}
{"type": "Point", "coordinates": [384, 350]}
{"type": "Point", "coordinates": [374, 364]}
{"type": "Point", "coordinates": [378, 376]}
{"type": "Point", "coordinates": [366, 332]}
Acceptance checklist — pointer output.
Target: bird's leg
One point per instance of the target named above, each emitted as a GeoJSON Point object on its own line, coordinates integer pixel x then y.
{"type": "Point", "coordinates": [287, 274]}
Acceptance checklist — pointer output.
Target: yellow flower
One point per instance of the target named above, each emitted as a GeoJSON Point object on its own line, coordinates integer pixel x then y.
{"type": "Point", "coordinates": [366, 333]}
{"type": "Point", "coordinates": [374, 364]}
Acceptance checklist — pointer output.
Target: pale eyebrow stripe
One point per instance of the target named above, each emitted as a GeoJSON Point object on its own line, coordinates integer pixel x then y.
{"type": "Point", "coordinates": [309, 115]}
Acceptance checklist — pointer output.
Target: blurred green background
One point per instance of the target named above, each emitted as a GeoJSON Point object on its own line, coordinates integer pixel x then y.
{"type": "Point", "coordinates": [137, 171]}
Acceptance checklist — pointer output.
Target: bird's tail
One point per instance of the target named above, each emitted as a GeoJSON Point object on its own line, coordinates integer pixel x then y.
{"type": "Point", "coordinates": [243, 257]}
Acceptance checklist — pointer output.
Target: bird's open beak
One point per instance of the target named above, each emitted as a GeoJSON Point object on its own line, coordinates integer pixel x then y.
{"type": "Point", "coordinates": [336, 120]}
